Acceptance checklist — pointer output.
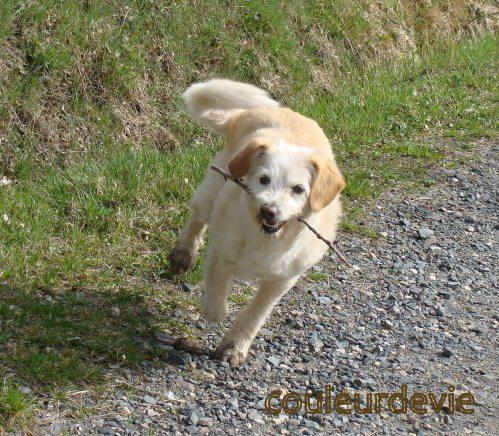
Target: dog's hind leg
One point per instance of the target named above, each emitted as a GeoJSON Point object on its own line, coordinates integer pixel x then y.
{"type": "Point", "coordinates": [235, 345]}
{"type": "Point", "coordinates": [191, 238]}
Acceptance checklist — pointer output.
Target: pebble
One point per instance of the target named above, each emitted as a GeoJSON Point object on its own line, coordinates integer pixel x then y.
{"type": "Point", "coordinates": [424, 233]}
{"type": "Point", "coordinates": [447, 352]}
{"type": "Point", "coordinates": [149, 400]}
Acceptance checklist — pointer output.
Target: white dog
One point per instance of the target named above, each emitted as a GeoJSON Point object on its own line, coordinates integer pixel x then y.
{"type": "Point", "coordinates": [287, 163]}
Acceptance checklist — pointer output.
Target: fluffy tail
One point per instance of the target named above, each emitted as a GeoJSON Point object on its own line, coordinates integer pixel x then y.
{"type": "Point", "coordinates": [212, 103]}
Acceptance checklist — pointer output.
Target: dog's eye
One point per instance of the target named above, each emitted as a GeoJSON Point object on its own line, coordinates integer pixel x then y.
{"type": "Point", "coordinates": [264, 180]}
{"type": "Point", "coordinates": [298, 189]}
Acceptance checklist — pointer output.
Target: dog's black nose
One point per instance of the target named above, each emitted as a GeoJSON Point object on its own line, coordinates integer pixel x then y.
{"type": "Point", "coordinates": [268, 213]}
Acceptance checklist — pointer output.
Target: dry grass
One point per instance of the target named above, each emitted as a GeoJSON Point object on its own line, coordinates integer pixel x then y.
{"type": "Point", "coordinates": [70, 81]}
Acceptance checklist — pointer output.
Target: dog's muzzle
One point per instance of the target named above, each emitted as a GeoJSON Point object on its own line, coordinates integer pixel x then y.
{"type": "Point", "coordinates": [272, 229]}
{"type": "Point", "coordinates": [270, 223]}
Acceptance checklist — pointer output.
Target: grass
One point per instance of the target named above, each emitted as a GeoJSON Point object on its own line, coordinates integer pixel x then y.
{"type": "Point", "coordinates": [14, 407]}
{"type": "Point", "coordinates": [100, 158]}
{"type": "Point", "coordinates": [316, 276]}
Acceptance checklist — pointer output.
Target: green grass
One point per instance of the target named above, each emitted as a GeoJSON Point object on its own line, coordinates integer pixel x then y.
{"type": "Point", "coordinates": [14, 407]}
{"type": "Point", "coordinates": [242, 296]}
{"type": "Point", "coordinates": [317, 276]}
{"type": "Point", "coordinates": [103, 159]}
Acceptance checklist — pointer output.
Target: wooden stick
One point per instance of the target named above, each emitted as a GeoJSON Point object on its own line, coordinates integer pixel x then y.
{"type": "Point", "coordinates": [184, 344]}
{"type": "Point", "coordinates": [227, 176]}
{"type": "Point", "coordinates": [326, 241]}
{"type": "Point", "coordinates": [242, 185]}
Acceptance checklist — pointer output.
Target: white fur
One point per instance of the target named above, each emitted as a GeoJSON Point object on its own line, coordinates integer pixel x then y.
{"type": "Point", "coordinates": [239, 248]}
{"type": "Point", "coordinates": [210, 102]}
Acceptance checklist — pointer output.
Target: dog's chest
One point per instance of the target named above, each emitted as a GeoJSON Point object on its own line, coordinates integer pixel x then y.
{"type": "Point", "coordinates": [254, 258]}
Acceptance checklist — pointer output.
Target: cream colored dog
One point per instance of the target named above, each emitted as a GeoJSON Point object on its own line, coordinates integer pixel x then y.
{"type": "Point", "coordinates": [287, 163]}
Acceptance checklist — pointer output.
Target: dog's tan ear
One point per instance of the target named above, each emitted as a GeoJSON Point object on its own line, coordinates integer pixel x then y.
{"type": "Point", "coordinates": [239, 165]}
{"type": "Point", "coordinates": [327, 182]}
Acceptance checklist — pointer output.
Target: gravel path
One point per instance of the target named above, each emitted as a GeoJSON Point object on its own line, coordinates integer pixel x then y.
{"type": "Point", "coordinates": [419, 309]}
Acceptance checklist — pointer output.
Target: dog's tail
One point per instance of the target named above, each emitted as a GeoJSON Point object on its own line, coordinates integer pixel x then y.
{"type": "Point", "coordinates": [213, 103]}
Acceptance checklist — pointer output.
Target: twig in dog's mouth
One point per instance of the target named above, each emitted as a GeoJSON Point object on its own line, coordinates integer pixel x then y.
{"type": "Point", "coordinates": [242, 185]}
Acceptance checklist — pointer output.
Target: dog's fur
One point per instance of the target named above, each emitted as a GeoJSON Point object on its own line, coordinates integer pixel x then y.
{"type": "Point", "coordinates": [287, 163]}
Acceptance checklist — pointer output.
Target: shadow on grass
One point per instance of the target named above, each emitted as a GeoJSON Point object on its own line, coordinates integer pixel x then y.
{"type": "Point", "coordinates": [60, 340]}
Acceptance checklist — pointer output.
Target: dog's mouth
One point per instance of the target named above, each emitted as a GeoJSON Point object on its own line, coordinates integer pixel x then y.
{"type": "Point", "coordinates": [272, 228]}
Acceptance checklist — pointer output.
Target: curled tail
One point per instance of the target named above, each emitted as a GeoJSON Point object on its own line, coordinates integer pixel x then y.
{"type": "Point", "coordinates": [213, 103]}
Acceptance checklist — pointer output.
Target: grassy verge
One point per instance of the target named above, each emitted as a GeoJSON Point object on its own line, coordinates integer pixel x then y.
{"type": "Point", "coordinates": [99, 160]}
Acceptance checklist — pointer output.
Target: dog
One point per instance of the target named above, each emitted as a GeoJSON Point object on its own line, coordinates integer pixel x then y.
{"type": "Point", "coordinates": [287, 163]}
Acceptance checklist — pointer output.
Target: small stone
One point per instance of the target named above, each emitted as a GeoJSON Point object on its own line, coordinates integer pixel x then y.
{"type": "Point", "coordinates": [446, 352]}
{"type": "Point", "coordinates": [176, 358]}
{"type": "Point", "coordinates": [164, 338]}
{"type": "Point", "coordinates": [395, 309]}
{"type": "Point", "coordinates": [312, 424]}
{"type": "Point", "coordinates": [233, 404]}
{"type": "Point", "coordinates": [26, 390]}
{"type": "Point", "coordinates": [149, 400]}
{"type": "Point", "coordinates": [205, 422]}
{"type": "Point", "coordinates": [387, 324]}
{"type": "Point", "coordinates": [324, 300]}
{"type": "Point", "coordinates": [115, 312]}
{"type": "Point", "coordinates": [170, 396]}
{"type": "Point", "coordinates": [316, 344]}
{"type": "Point", "coordinates": [280, 419]}
{"type": "Point", "coordinates": [273, 360]}
{"type": "Point", "coordinates": [152, 413]}
{"type": "Point", "coordinates": [254, 416]}
{"type": "Point", "coordinates": [193, 418]}
{"type": "Point", "coordinates": [186, 287]}
{"type": "Point", "coordinates": [342, 344]}
{"type": "Point", "coordinates": [424, 233]}
{"type": "Point", "coordinates": [4, 181]}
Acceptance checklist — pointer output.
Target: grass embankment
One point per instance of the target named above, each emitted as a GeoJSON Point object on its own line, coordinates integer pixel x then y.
{"type": "Point", "coordinates": [98, 158]}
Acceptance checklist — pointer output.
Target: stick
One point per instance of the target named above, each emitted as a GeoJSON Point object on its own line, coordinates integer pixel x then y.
{"type": "Point", "coordinates": [326, 241]}
{"type": "Point", "coordinates": [242, 185]}
{"type": "Point", "coordinates": [184, 344]}
{"type": "Point", "coordinates": [227, 176]}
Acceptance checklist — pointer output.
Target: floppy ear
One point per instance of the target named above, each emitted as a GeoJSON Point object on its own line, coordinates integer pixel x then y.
{"type": "Point", "coordinates": [327, 182]}
{"type": "Point", "coordinates": [239, 165]}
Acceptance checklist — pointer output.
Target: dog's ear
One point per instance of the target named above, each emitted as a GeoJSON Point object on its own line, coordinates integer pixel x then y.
{"type": "Point", "coordinates": [327, 182]}
{"type": "Point", "coordinates": [239, 165]}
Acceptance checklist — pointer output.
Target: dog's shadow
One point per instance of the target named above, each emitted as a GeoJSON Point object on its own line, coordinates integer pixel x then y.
{"type": "Point", "coordinates": [53, 340]}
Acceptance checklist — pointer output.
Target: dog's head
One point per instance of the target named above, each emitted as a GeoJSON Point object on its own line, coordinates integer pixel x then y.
{"type": "Point", "coordinates": [285, 181]}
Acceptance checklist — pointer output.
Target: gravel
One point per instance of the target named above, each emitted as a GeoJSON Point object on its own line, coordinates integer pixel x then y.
{"type": "Point", "coordinates": [418, 309]}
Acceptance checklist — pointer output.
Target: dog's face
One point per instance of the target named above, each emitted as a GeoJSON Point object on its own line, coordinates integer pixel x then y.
{"type": "Point", "coordinates": [285, 180]}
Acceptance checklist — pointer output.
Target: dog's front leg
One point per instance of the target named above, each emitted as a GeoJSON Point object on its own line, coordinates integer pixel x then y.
{"type": "Point", "coordinates": [184, 254]}
{"type": "Point", "coordinates": [191, 238]}
{"type": "Point", "coordinates": [217, 281]}
{"type": "Point", "coordinates": [235, 345]}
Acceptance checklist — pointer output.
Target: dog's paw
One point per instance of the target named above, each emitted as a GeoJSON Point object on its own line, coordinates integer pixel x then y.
{"type": "Point", "coordinates": [180, 260]}
{"type": "Point", "coordinates": [215, 312]}
{"type": "Point", "coordinates": [227, 352]}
